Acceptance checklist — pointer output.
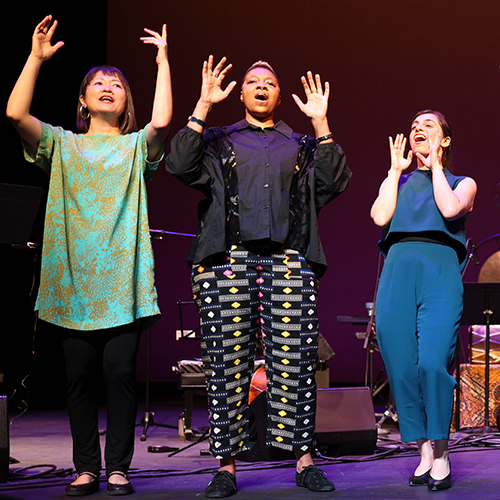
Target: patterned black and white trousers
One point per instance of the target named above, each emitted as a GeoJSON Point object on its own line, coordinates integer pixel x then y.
{"type": "Point", "coordinates": [259, 292]}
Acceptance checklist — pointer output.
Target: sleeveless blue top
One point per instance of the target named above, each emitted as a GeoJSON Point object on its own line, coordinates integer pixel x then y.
{"type": "Point", "coordinates": [418, 217]}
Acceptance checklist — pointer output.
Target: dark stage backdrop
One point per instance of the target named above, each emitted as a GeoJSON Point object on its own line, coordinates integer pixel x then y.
{"type": "Point", "coordinates": [385, 60]}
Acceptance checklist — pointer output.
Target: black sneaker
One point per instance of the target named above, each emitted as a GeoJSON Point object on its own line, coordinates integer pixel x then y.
{"type": "Point", "coordinates": [313, 479]}
{"type": "Point", "coordinates": [222, 485]}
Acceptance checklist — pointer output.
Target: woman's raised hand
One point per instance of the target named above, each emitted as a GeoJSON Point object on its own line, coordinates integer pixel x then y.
{"type": "Point", "coordinates": [433, 159]}
{"type": "Point", "coordinates": [397, 147]}
{"type": "Point", "coordinates": [316, 105]}
{"type": "Point", "coordinates": [159, 40]}
{"type": "Point", "coordinates": [41, 47]}
{"type": "Point", "coordinates": [212, 78]}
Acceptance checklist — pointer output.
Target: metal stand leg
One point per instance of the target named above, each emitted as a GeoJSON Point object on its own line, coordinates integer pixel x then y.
{"type": "Point", "coordinates": [487, 424]}
{"type": "Point", "coordinates": [147, 419]}
{"type": "Point", "coordinates": [457, 394]}
{"type": "Point", "coordinates": [388, 413]}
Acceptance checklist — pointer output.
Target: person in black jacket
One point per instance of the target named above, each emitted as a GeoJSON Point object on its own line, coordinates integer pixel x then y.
{"type": "Point", "coordinates": [257, 259]}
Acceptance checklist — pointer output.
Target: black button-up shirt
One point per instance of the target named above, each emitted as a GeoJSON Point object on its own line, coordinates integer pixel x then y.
{"type": "Point", "coordinates": [265, 164]}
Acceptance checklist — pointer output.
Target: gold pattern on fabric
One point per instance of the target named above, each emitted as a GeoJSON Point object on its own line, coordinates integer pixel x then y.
{"type": "Point", "coordinates": [97, 258]}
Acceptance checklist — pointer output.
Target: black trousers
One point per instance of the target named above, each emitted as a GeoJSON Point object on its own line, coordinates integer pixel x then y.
{"type": "Point", "coordinates": [115, 350]}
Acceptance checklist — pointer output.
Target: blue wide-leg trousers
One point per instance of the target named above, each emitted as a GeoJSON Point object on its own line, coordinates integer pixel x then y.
{"type": "Point", "coordinates": [418, 309]}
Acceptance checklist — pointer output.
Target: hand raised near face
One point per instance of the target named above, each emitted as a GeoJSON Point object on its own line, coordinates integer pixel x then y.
{"type": "Point", "coordinates": [316, 105]}
{"type": "Point", "coordinates": [433, 159]}
{"type": "Point", "coordinates": [397, 147]}
{"type": "Point", "coordinates": [212, 78]}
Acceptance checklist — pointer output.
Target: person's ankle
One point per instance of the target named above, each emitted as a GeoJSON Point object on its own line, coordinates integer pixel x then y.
{"type": "Point", "coordinates": [304, 460]}
{"type": "Point", "coordinates": [228, 465]}
{"type": "Point", "coordinates": [424, 466]}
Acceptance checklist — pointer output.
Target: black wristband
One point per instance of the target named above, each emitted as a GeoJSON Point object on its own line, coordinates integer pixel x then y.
{"type": "Point", "coordinates": [197, 120]}
{"type": "Point", "coordinates": [324, 138]}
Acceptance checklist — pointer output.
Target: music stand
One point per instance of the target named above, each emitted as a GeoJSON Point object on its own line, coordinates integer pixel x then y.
{"type": "Point", "coordinates": [18, 209]}
{"type": "Point", "coordinates": [481, 307]}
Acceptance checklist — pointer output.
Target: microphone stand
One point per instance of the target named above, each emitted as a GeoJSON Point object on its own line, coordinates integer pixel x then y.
{"type": "Point", "coordinates": [147, 419]}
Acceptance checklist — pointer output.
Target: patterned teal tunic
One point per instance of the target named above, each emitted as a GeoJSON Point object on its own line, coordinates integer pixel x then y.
{"type": "Point", "coordinates": [97, 259]}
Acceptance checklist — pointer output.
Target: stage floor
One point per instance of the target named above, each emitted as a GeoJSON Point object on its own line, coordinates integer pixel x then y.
{"type": "Point", "coordinates": [40, 441]}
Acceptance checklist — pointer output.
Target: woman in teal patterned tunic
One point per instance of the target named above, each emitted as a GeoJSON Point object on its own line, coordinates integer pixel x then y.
{"type": "Point", "coordinates": [97, 276]}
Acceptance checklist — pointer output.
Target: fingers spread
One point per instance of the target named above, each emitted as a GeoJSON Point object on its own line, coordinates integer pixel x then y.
{"type": "Point", "coordinates": [210, 63]}
{"type": "Point", "coordinates": [312, 84]}
{"type": "Point", "coordinates": [307, 89]}
{"type": "Point", "coordinates": [327, 89]}
{"type": "Point", "coordinates": [230, 88]}
{"type": "Point", "coordinates": [224, 72]}
{"type": "Point", "coordinates": [220, 65]}
{"type": "Point", "coordinates": [310, 79]}
{"type": "Point", "coordinates": [298, 101]}
{"type": "Point", "coordinates": [318, 84]}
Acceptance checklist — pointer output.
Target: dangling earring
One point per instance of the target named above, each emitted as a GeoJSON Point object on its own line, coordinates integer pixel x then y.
{"type": "Point", "coordinates": [82, 109]}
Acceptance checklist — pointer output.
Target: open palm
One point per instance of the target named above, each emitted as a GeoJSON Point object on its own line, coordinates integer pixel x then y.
{"type": "Point", "coordinates": [316, 105]}
{"type": "Point", "coordinates": [397, 147]}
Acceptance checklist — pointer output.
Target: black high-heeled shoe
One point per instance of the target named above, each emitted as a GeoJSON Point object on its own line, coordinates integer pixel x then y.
{"type": "Point", "coordinates": [421, 480]}
{"type": "Point", "coordinates": [439, 484]}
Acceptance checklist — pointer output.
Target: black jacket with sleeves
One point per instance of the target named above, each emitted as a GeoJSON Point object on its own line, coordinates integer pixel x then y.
{"type": "Point", "coordinates": [207, 162]}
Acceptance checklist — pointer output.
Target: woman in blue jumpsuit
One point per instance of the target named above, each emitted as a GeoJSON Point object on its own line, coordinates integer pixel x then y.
{"type": "Point", "coordinates": [419, 299]}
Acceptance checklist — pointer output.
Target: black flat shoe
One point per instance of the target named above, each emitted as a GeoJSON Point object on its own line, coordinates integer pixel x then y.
{"type": "Point", "coordinates": [81, 490]}
{"type": "Point", "coordinates": [313, 479]}
{"type": "Point", "coordinates": [419, 480]}
{"type": "Point", "coordinates": [222, 485]}
{"type": "Point", "coordinates": [116, 489]}
{"type": "Point", "coordinates": [439, 484]}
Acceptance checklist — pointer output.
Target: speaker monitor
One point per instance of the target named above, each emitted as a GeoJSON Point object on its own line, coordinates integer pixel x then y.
{"type": "Point", "coordinates": [345, 421]}
{"type": "Point", "coordinates": [345, 425]}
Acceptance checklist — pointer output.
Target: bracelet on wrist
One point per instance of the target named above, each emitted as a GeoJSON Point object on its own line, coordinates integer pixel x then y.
{"type": "Point", "coordinates": [324, 138]}
{"type": "Point", "coordinates": [197, 120]}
